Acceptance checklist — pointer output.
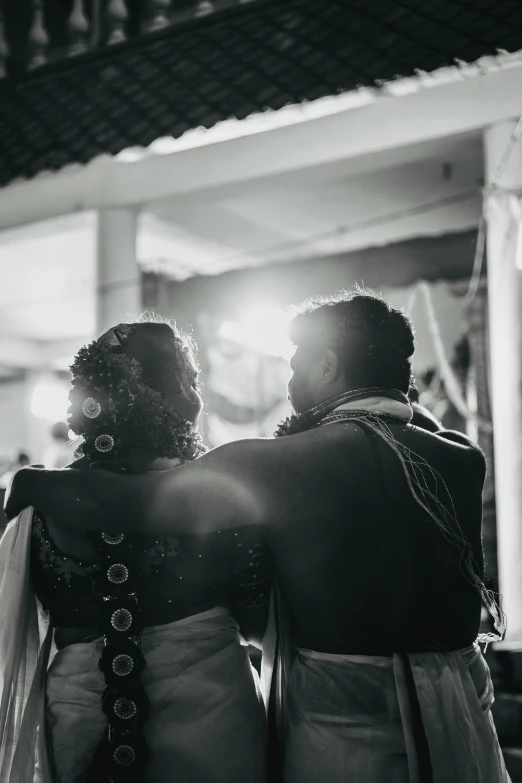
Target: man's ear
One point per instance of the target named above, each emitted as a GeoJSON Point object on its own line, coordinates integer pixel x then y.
{"type": "Point", "coordinates": [330, 366]}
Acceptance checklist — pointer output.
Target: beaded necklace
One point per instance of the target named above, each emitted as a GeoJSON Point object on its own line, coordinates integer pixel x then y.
{"type": "Point", "coordinates": [354, 414]}
{"type": "Point", "coordinates": [324, 411]}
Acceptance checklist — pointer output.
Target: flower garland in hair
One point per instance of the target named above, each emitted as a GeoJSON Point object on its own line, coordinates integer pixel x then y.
{"type": "Point", "coordinates": [113, 410]}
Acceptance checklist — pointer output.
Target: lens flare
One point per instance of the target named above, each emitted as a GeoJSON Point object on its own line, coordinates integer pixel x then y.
{"type": "Point", "coordinates": [263, 328]}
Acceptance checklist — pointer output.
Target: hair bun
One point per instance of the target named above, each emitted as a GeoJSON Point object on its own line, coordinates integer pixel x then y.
{"type": "Point", "coordinates": [136, 391]}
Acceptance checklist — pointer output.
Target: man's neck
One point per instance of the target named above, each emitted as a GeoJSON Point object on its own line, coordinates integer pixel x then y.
{"type": "Point", "coordinates": [374, 400]}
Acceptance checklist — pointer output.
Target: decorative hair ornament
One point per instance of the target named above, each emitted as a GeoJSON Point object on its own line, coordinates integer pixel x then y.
{"type": "Point", "coordinates": [91, 408]}
{"type": "Point", "coordinates": [104, 443]}
{"type": "Point", "coordinates": [116, 336]}
{"type": "Point", "coordinates": [124, 755]}
{"type": "Point", "coordinates": [118, 573]}
{"type": "Point", "coordinates": [125, 708]}
{"type": "Point", "coordinates": [113, 538]}
{"type": "Point", "coordinates": [121, 620]}
{"type": "Point", "coordinates": [122, 665]}
{"type": "Point", "coordinates": [112, 407]}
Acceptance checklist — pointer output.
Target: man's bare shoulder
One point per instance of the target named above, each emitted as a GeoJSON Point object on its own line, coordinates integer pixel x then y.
{"type": "Point", "coordinates": [443, 444]}
{"type": "Point", "coordinates": [458, 438]}
{"type": "Point", "coordinates": [450, 445]}
{"type": "Point", "coordinates": [453, 440]}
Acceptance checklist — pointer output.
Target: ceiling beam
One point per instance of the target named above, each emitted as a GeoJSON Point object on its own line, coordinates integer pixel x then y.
{"type": "Point", "coordinates": [388, 123]}
{"type": "Point", "coordinates": [448, 257]}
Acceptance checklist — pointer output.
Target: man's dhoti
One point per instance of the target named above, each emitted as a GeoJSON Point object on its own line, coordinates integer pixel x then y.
{"type": "Point", "coordinates": [418, 718]}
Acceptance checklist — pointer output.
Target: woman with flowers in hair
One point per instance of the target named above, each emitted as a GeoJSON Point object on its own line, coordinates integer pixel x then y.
{"type": "Point", "coordinates": [137, 671]}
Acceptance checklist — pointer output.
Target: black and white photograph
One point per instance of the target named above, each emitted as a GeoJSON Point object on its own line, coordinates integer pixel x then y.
{"type": "Point", "coordinates": [260, 391]}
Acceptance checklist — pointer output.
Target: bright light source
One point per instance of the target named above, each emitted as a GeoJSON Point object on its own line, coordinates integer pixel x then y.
{"type": "Point", "coordinates": [265, 329]}
{"type": "Point", "coordinates": [50, 400]}
{"type": "Point", "coordinates": [231, 330]}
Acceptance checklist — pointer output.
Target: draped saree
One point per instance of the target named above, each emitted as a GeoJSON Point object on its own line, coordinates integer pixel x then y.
{"type": "Point", "coordinates": [206, 721]}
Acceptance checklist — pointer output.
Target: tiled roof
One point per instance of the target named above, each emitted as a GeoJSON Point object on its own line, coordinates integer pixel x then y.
{"type": "Point", "coordinates": [256, 56]}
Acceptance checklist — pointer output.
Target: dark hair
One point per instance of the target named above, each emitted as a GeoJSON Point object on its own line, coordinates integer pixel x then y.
{"type": "Point", "coordinates": [167, 357]}
{"type": "Point", "coordinates": [136, 386]}
{"type": "Point", "coordinates": [373, 340]}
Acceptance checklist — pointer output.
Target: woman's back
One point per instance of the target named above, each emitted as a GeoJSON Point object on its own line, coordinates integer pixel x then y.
{"type": "Point", "coordinates": [179, 576]}
{"type": "Point", "coordinates": [149, 663]}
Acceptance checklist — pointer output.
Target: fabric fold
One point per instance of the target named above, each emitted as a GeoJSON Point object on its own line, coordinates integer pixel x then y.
{"type": "Point", "coordinates": [206, 718]}
{"type": "Point", "coordinates": [24, 654]}
{"type": "Point", "coordinates": [198, 678]}
{"type": "Point", "coordinates": [278, 656]}
{"type": "Point", "coordinates": [416, 718]}
{"type": "Point", "coordinates": [455, 694]}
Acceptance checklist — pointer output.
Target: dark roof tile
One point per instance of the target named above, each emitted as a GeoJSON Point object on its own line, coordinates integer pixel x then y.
{"type": "Point", "coordinates": [256, 56]}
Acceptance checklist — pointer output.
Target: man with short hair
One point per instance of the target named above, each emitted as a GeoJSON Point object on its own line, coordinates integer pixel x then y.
{"type": "Point", "coordinates": [375, 527]}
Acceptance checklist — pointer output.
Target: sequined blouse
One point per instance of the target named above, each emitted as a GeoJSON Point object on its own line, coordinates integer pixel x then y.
{"type": "Point", "coordinates": [231, 568]}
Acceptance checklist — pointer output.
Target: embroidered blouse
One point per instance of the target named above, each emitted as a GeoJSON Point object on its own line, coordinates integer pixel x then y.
{"type": "Point", "coordinates": [230, 568]}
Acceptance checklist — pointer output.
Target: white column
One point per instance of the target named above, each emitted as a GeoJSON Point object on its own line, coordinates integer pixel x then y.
{"type": "Point", "coordinates": [119, 282]}
{"type": "Point", "coordinates": [505, 336]}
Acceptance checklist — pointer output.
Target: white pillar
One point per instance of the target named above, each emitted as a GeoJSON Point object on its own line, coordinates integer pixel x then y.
{"type": "Point", "coordinates": [505, 336]}
{"type": "Point", "coordinates": [119, 282]}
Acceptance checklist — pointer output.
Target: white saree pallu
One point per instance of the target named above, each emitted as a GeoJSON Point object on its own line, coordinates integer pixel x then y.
{"type": "Point", "coordinates": [24, 653]}
{"type": "Point", "coordinates": [357, 719]}
{"type": "Point", "coordinates": [206, 723]}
